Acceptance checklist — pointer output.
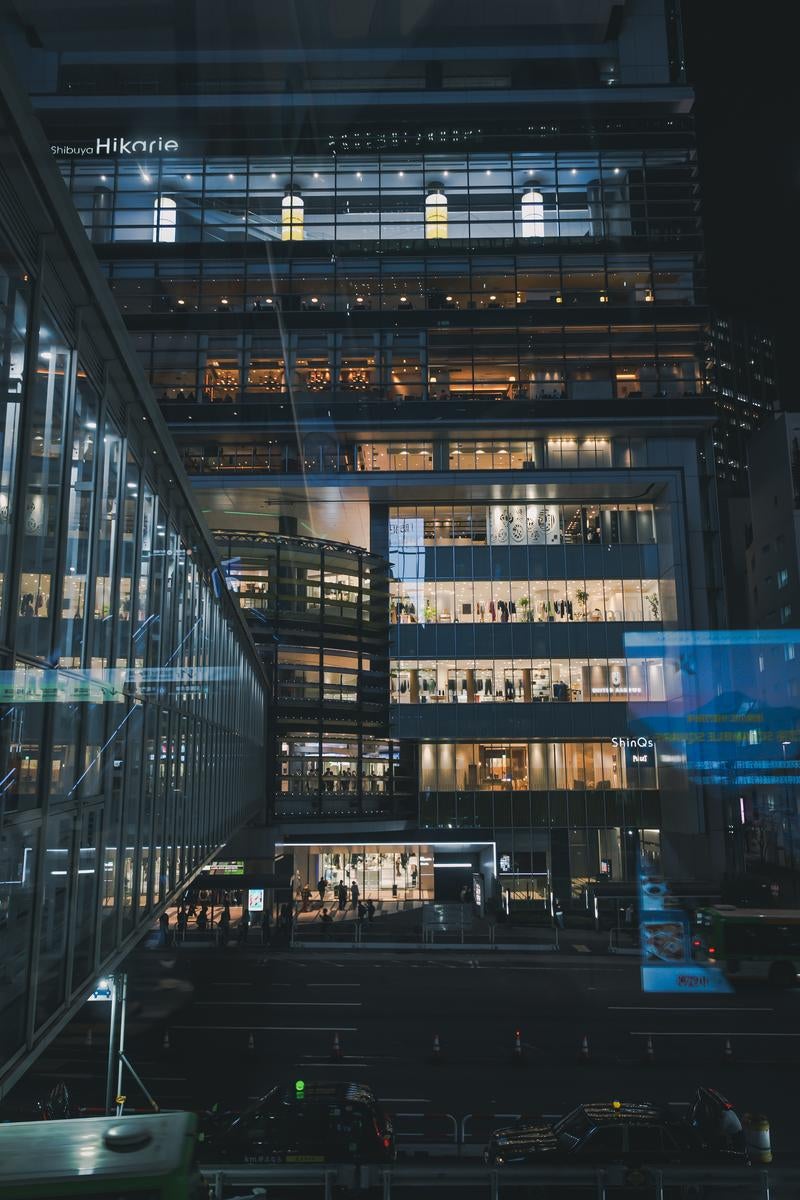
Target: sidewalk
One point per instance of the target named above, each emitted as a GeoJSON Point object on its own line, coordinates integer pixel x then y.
{"type": "Point", "coordinates": [383, 909]}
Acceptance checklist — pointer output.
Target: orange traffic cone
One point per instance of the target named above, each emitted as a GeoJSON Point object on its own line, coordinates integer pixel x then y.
{"type": "Point", "coordinates": [165, 1040]}
{"type": "Point", "coordinates": [436, 1050]}
{"type": "Point", "coordinates": [649, 1052]}
{"type": "Point", "coordinates": [584, 1051]}
{"type": "Point", "coordinates": [517, 1056]}
{"type": "Point", "coordinates": [251, 1043]}
{"type": "Point", "coordinates": [336, 1049]}
{"type": "Point", "coordinates": [727, 1053]}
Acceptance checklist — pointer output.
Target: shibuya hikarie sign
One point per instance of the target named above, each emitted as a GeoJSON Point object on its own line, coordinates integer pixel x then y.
{"type": "Point", "coordinates": [119, 147]}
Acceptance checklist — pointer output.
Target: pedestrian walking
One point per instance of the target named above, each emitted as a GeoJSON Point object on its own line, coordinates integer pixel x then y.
{"type": "Point", "coordinates": [322, 887]}
{"type": "Point", "coordinates": [362, 912]}
{"type": "Point", "coordinates": [354, 894]}
{"type": "Point", "coordinates": [224, 926]}
{"type": "Point", "coordinates": [558, 915]}
{"type": "Point", "coordinates": [306, 897]}
{"type": "Point", "coordinates": [201, 920]}
{"type": "Point", "coordinates": [181, 921]}
{"type": "Point", "coordinates": [370, 910]}
{"type": "Point", "coordinates": [244, 929]}
{"type": "Point", "coordinates": [327, 922]}
{"type": "Point", "coordinates": [342, 896]}
{"type": "Point", "coordinates": [284, 923]}
{"type": "Point", "coordinates": [266, 933]}
{"type": "Point", "coordinates": [163, 922]}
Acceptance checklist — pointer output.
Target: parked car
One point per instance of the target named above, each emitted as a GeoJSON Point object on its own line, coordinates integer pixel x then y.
{"type": "Point", "coordinates": [634, 1132]}
{"type": "Point", "coordinates": [304, 1123]}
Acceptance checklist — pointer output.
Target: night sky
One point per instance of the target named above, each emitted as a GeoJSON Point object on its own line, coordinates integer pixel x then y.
{"type": "Point", "coordinates": [744, 63]}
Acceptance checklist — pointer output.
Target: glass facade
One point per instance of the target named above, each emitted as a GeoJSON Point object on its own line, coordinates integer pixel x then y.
{"type": "Point", "coordinates": [382, 872]}
{"type": "Point", "coordinates": [533, 766]}
{"type": "Point", "coordinates": [318, 614]}
{"type": "Point", "coordinates": [467, 337]}
{"type": "Point", "coordinates": [514, 358]}
{"type": "Point", "coordinates": [499, 680]}
{"type": "Point", "coordinates": [131, 697]}
{"type": "Point", "coordinates": [646, 195]}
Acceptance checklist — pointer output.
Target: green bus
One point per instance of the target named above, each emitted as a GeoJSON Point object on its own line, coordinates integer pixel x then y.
{"type": "Point", "coordinates": [147, 1157]}
{"type": "Point", "coordinates": [750, 943]}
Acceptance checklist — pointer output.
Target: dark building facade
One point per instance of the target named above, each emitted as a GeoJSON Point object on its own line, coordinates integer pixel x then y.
{"type": "Point", "coordinates": [434, 290]}
{"type": "Point", "coordinates": [743, 377]}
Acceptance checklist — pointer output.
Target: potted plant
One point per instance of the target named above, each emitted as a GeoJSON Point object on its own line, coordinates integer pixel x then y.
{"type": "Point", "coordinates": [655, 606]}
{"type": "Point", "coordinates": [583, 600]}
{"type": "Point", "coordinates": [429, 612]}
{"type": "Point", "coordinates": [524, 605]}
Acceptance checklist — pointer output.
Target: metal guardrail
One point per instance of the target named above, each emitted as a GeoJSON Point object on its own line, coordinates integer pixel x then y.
{"type": "Point", "coordinates": [719, 1183]}
{"type": "Point", "coordinates": [222, 1179]}
{"type": "Point", "coordinates": [624, 941]}
{"type": "Point", "coordinates": [438, 1136]}
{"type": "Point", "coordinates": [349, 935]}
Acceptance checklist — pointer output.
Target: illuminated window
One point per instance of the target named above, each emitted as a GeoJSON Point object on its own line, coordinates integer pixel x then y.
{"type": "Point", "coordinates": [165, 219]}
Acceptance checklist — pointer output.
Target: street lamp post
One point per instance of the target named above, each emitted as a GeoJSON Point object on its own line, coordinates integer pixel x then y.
{"type": "Point", "coordinates": [117, 1058]}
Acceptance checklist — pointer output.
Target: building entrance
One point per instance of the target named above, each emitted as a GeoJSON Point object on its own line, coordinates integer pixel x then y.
{"type": "Point", "coordinates": [381, 872]}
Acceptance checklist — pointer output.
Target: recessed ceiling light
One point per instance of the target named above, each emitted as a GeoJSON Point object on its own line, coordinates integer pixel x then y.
{"type": "Point", "coordinates": [231, 177]}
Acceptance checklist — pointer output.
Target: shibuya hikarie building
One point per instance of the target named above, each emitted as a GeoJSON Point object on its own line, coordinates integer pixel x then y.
{"type": "Point", "coordinates": [421, 297]}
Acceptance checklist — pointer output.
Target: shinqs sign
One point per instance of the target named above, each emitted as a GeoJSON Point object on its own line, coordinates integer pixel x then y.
{"type": "Point", "coordinates": [121, 146]}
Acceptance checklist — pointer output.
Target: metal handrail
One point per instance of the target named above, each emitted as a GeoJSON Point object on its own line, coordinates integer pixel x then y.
{"type": "Point", "coordinates": [293, 542]}
{"type": "Point", "coordinates": [756, 1183]}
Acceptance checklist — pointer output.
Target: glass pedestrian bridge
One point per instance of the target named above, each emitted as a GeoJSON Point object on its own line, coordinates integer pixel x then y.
{"type": "Point", "coordinates": [132, 699]}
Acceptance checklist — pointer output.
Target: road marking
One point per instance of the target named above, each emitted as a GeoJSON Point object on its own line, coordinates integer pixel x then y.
{"type": "Point", "coordinates": [675, 1008]}
{"type": "Point", "coordinates": [91, 1074]}
{"type": "Point", "coordinates": [326, 985]}
{"type": "Point", "coordinates": [274, 1028]}
{"type": "Point", "coordinates": [581, 948]}
{"type": "Point", "coordinates": [278, 1003]}
{"type": "Point", "coordinates": [405, 1100]}
{"type": "Point", "coordinates": [708, 1033]}
{"type": "Point", "coordinates": [347, 1066]}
